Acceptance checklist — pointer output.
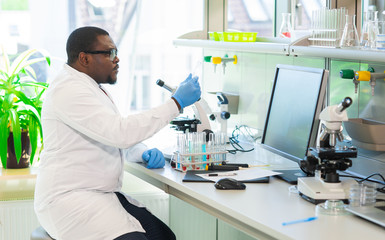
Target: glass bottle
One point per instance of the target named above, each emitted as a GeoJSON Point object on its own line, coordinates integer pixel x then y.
{"type": "Point", "coordinates": [350, 36]}
{"type": "Point", "coordinates": [285, 30]}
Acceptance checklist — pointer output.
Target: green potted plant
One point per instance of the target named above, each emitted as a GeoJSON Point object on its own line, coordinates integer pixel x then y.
{"type": "Point", "coordinates": [20, 108]}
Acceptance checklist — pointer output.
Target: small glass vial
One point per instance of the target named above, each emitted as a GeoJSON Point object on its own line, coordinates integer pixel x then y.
{"type": "Point", "coordinates": [285, 30]}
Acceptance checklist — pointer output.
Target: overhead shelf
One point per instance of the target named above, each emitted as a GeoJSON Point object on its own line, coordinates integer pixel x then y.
{"type": "Point", "coordinates": [338, 53]}
{"type": "Point", "coordinates": [301, 48]}
{"type": "Point", "coordinates": [257, 47]}
{"type": "Point", "coordinates": [297, 48]}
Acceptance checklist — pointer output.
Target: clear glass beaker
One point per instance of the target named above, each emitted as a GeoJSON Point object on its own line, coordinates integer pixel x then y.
{"type": "Point", "coordinates": [350, 36]}
{"type": "Point", "coordinates": [285, 30]}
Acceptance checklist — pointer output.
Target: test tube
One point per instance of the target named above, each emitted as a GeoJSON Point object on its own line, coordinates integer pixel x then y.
{"type": "Point", "coordinates": [197, 70]}
{"type": "Point", "coordinates": [223, 145]}
{"type": "Point", "coordinates": [217, 141]}
{"type": "Point", "coordinates": [319, 28]}
{"type": "Point", "coordinates": [344, 12]}
{"type": "Point", "coordinates": [326, 26]}
{"type": "Point", "coordinates": [332, 27]}
{"type": "Point", "coordinates": [210, 145]}
{"type": "Point", "coordinates": [197, 158]}
{"type": "Point", "coordinates": [314, 17]}
{"type": "Point", "coordinates": [181, 147]}
{"type": "Point", "coordinates": [203, 139]}
{"type": "Point", "coordinates": [190, 137]}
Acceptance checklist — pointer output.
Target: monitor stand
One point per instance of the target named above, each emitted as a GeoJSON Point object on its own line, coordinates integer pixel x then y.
{"type": "Point", "coordinates": [290, 176]}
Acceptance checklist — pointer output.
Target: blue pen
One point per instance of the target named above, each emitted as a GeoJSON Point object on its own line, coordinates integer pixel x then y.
{"type": "Point", "coordinates": [299, 221]}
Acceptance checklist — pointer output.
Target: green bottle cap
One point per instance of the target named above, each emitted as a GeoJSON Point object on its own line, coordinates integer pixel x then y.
{"type": "Point", "coordinates": [207, 58]}
{"type": "Point", "coordinates": [371, 69]}
{"type": "Point", "coordinates": [347, 73]}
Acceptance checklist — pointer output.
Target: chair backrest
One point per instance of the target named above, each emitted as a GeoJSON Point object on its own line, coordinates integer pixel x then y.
{"type": "Point", "coordinates": [40, 234]}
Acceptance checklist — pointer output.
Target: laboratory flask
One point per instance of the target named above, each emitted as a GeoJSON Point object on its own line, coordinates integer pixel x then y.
{"type": "Point", "coordinates": [285, 30]}
{"type": "Point", "coordinates": [367, 38]}
{"type": "Point", "coordinates": [350, 36]}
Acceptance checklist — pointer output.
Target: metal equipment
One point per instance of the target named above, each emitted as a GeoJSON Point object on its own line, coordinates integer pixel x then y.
{"type": "Point", "coordinates": [218, 60]}
{"type": "Point", "coordinates": [349, 74]}
{"type": "Point", "coordinates": [223, 114]}
{"type": "Point", "coordinates": [369, 76]}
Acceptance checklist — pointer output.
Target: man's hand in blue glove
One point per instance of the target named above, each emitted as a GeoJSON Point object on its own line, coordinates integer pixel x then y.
{"type": "Point", "coordinates": [188, 91]}
{"type": "Point", "coordinates": [154, 158]}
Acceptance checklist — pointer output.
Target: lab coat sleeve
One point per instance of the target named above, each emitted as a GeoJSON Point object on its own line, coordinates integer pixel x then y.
{"type": "Point", "coordinates": [134, 153]}
{"type": "Point", "coordinates": [86, 109]}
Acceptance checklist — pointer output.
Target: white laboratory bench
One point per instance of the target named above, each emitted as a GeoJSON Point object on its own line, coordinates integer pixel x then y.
{"type": "Point", "coordinates": [262, 207]}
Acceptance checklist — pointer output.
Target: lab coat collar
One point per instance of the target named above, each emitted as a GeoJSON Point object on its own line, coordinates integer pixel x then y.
{"type": "Point", "coordinates": [80, 75]}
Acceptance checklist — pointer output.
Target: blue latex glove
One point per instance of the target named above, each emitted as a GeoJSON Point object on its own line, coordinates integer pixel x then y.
{"type": "Point", "coordinates": [154, 158]}
{"type": "Point", "coordinates": [188, 91]}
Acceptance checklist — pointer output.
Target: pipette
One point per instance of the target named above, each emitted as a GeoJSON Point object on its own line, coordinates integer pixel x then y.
{"type": "Point", "coordinates": [197, 69]}
{"type": "Point", "coordinates": [162, 84]}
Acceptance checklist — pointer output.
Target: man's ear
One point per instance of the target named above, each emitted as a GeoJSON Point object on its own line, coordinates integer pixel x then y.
{"type": "Point", "coordinates": [84, 59]}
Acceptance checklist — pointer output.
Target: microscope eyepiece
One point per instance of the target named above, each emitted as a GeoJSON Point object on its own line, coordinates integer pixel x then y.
{"type": "Point", "coordinates": [345, 104]}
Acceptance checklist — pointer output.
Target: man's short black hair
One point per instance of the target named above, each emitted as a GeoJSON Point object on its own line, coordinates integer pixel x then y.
{"type": "Point", "coordinates": [82, 39]}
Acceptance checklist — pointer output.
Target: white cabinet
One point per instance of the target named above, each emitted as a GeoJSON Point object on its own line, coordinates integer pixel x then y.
{"type": "Point", "coordinates": [17, 220]}
{"type": "Point", "coordinates": [191, 223]}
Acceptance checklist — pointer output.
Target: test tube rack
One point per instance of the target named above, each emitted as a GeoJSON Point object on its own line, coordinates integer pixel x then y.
{"type": "Point", "coordinates": [197, 161]}
{"type": "Point", "coordinates": [196, 150]}
{"type": "Point", "coordinates": [327, 26]}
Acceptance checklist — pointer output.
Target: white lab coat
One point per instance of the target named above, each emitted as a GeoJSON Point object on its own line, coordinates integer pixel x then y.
{"type": "Point", "coordinates": [85, 142]}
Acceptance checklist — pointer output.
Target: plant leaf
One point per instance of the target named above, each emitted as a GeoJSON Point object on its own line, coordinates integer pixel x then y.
{"type": "Point", "coordinates": [28, 70]}
{"type": "Point", "coordinates": [26, 65]}
{"type": "Point", "coordinates": [23, 61]}
{"type": "Point", "coordinates": [4, 134]}
{"type": "Point", "coordinates": [33, 132]}
{"type": "Point", "coordinates": [35, 84]}
{"type": "Point", "coordinates": [24, 98]}
{"type": "Point", "coordinates": [3, 75]}
{"type": "Point", "coordinates": [33, 113]}
{"type": "Point", "coordinates": [5, 59]}
{"type": "Point", "coordinates": [16, 133]}
{"type": "Point", "coordinates": [7, 102]}
{"type": "Point", "coordinates": [34, 128]}
{"type": "Point", "coordinates": [19, 61]}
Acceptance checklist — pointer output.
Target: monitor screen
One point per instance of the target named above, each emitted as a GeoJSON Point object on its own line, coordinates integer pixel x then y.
{"type": "Point", "coordinates": [292, 119]}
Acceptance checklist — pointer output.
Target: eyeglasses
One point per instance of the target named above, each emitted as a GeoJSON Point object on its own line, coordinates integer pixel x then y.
{"type": "Point", "coordinates": [113, 53]}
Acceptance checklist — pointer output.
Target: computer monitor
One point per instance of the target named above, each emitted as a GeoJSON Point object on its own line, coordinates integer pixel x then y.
{"type": "Point", "coordinates": [292, 119]}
